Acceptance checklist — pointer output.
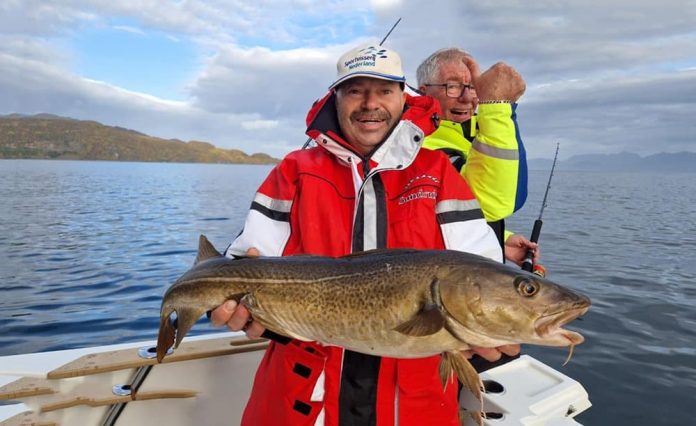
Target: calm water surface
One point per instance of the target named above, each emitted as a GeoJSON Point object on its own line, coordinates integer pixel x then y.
{"type": "Point", "coordinates": [88, 249]}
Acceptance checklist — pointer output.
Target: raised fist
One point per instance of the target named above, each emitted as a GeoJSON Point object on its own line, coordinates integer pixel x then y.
{"type": "Point", "coordinates": [500, 82]}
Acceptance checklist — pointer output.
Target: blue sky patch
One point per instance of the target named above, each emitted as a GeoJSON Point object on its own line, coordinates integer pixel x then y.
{"type": "Point", "coordinates": [136, 58]}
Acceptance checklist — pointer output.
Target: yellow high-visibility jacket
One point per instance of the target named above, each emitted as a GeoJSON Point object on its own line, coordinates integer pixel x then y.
{"type": "Point", "coordinates": [490, 155]}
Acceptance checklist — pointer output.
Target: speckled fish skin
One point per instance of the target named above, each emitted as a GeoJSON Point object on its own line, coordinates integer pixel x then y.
{"type": "Point", "coordinates": [396, 303]}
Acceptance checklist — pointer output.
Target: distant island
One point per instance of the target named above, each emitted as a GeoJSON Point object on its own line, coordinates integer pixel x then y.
{"type": "Point", "coordinates": [623, 162]}
{"type": "Point", "coordinates": [47, 136]}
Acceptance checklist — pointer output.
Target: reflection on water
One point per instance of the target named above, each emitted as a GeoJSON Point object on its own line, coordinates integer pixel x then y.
{"type": "Point", "coordinates": [88, 249]}
{"type": "Point", "coordinates": [624, 239]}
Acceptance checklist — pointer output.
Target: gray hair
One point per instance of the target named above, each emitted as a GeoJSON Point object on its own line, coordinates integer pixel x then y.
{"type": "Point", "coordinates": [428, 69]}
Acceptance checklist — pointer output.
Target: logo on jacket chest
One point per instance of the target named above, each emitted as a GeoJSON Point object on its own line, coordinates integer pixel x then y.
{"type": "Point", "coordinates": [429, 193]}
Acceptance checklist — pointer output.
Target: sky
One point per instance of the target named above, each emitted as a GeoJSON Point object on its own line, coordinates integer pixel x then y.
{"type": "Point", "coordinates": [602, 77]}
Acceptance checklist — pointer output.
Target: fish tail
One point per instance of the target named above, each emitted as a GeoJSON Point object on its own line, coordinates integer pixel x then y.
{"type": "Point", "coordinates": [172, 331]}
{"type": "Point", "coordinates": [167, 333]}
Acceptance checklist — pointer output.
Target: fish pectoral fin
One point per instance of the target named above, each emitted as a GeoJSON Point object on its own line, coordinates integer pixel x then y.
{"type": "Point", "coordinates": [454, 361]}
{"type": "Point", "coordinates": [427, 321]}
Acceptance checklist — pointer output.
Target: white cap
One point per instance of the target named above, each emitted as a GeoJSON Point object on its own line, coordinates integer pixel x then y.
{"type": "Point", "coordinates": [369, 61]}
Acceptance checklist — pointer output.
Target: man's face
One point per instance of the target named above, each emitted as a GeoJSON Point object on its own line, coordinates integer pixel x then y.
{"type": "Point", "coordinates": [457, 109]}
{"type": "Point", "coordinates": [368, 109]}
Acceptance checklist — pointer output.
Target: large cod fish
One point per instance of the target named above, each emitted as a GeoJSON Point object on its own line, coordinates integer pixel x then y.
{"type": "Point", "coordinates": [395, 303]}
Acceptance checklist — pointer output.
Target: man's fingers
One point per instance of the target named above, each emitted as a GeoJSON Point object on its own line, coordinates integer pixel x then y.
{"type": "Point", "coordinates": [254, 330]}
{"type": "Point", "coordinates": [509, 350]}
{"type": "Point", "coordinates": [468, 353]}
{"type": "Point", "coordinates": [253, 252]}
{"type": "Point", "coordinates": [223, 313]}
{"type": "Point", "coordinates": [489, 354]}
{"type": "Point", "coordinates": [239, 319]}
{"type": "Point", "coordinates": [473, 66]}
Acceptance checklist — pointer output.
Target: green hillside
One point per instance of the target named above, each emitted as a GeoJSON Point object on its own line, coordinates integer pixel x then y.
{"type": "Point", "coordinates": [48, 136]}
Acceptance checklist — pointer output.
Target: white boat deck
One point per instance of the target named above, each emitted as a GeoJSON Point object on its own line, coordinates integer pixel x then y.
{"type": "Point", "coordinates": [207, 380]}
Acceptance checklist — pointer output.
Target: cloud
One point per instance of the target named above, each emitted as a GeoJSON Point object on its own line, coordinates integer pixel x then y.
{"type": "Point", "coordinates": [617, 78]}
{"type": "Point", "coordinates": [385, 5]}
{"type": "Point", "coordinates": [32, 85]}
{"type": "Point", "coordinates": [260, 124]}
{"type": "Point", "coordinates": [604, 80]}
{"type": "Point", "coordinates": [127, 29]}
{"type": "Point", "coordinates": [259, 80]}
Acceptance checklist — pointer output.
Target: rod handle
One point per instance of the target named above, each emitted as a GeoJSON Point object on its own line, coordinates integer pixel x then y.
{"type": "Point", "coordinates": [528, 263]}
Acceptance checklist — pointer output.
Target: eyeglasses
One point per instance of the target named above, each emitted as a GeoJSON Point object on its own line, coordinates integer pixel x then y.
{"type": "Point", "coordinates": [453, 90]}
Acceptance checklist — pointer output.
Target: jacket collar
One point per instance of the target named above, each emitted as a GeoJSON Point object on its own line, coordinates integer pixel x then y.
{"type": "Point", "coordinates": [396, 152]}
{"type": "Point", "coordinates": [456, 132]}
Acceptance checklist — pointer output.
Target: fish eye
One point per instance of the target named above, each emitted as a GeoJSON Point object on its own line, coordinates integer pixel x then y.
{"type": "Point", "coordinates": [526, 287]}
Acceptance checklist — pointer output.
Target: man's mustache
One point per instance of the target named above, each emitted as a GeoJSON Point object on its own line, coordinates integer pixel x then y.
{"type": "Point", "coordinates": [379, 115]}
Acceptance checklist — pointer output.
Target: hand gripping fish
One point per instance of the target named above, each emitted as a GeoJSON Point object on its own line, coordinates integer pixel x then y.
{"type": "Point", "coordinates": [397, 303]}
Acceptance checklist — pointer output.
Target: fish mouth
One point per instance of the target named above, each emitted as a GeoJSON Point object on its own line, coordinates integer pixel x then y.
{"type": "Point", "coordinates": [549, 327]}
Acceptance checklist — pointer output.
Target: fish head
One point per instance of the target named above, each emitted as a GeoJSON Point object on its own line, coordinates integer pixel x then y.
{"type": "Point", "coordinates": [498, 304]}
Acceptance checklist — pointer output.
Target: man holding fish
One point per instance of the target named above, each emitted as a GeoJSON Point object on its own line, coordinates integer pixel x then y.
{"type": "Point", "coordinates": [366, 185]}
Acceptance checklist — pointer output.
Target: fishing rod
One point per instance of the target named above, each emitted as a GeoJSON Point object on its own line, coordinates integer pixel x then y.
{"type": "Point", "coordinates": [528, 262]}
{"type": "Point", "coordinates": [390, 31]}
{"type": "Point", "coordinates": [309, 140]}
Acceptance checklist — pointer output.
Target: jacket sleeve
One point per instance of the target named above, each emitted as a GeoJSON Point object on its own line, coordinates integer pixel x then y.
{"type": "Point", "coordinates": [461, 220]}
{"type": "Point", "coordinates": [496, 167]}
{"type": "Point", "coordinates": [267, 225]}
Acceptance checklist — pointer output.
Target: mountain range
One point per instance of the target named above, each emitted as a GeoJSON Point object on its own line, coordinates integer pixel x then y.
{"type": "Point", "coordinates": [624, 161]}
{"type": "Point", "coordinates": [53, 137]}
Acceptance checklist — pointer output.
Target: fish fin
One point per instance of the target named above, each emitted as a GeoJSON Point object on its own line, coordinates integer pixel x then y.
{"type": "Point", "coordinates": [172, 331]}
{"type": "Point", "coordinates": [454, 361]}
{"type": "Point", "coordinates": [476, 416]}
{"type": "Point", "coordinates": [186, 318]}
{"type": "Point", "coordinates": [206, 250]}
{"type": "Point", "coordinates": [427, 321]}
{"type": "Point", "coordinates": [165, 338]}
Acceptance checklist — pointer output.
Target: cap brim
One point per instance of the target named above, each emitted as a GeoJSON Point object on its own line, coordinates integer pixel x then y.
{"type": "Point", "coordinates": [377, 75]}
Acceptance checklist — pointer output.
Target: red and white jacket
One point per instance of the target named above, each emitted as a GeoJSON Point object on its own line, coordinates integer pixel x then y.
{"type": "Point", "coordinates": [330, 201]}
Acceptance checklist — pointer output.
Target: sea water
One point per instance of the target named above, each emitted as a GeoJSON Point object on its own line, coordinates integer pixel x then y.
{"type": "Point", "coordinates": [88, 248]}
